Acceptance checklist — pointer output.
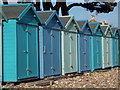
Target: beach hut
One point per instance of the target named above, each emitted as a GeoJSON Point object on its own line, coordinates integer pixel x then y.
{"type": "Point", "coordinates": [84, 46]}
{"type": "Point", "coordinates": [20, 42]}
{"type": "Point", "coordinates": [50, 44]}
{"type": "Point", "coordinates": [106, 47]}
{"type": "Point", "coordinates": [2, 18]}
{"type": "Point", "coordinates": [115, 50]}
{"type": "Point", "coordinates": [69, 45]}
{"type": "Point", "coordinates": [96, 45]}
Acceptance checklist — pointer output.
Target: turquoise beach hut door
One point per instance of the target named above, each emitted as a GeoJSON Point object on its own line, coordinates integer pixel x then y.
{"type": "Point", "coordinates": [20, 42]}
{"type": "Point", "coordinates": [115, 50]}
{"type": "Point", "coordinates": [26, 40]}
{"type": "Point", "coordinates": [96, 45]}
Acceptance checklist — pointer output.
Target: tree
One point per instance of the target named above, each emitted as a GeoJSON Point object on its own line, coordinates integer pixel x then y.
{"type": "Point", "coordinates": [5, 1]}
{"type": "Point", "coordinates": [99, 7]}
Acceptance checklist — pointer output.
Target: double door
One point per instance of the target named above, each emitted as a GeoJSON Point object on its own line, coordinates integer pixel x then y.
{"type": "Point", "coordinates": [106, 47]}
{"type": "Point", "coordinates": [51, 53]}
{"type": "Point", "coordinates": [85, 53]}
{"type": "Point", "coordinates": [97, 52]}
{"type": "Point", "coordinates": [69, 52]}
{"type": "Point", "coordinates": [27, 51]}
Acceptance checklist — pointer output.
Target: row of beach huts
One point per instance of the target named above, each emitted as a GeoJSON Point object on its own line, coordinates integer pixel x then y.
{"type": "Point", "coordinates": [40, 44]}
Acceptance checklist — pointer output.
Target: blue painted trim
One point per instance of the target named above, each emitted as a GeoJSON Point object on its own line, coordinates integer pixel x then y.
{"type": "Point", "coordinates": [92, 54]}
{"type": "Point", "coordinates": [60, 52]}
{"type": "Point", "coordinates": [52, 15]}
{"type": "Point", "coordinates": [116, 29]}
{"type": "Point", "coordinates": [37, 50]}
{"type": "Point", "coordinates": [26, 10]}
{"type": "Point", "coordinates": [97, 26]}
{"type": "Point", "coordinates": [79, 69]}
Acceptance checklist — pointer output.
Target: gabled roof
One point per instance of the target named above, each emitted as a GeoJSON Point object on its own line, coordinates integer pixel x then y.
{"type": "Point", "coordinates": [17, 11]}
{"type": "Point", "coordinates": [82, 25]}
{"type": "Point", "coordinates": [94, 26]}
{"type": "Point", "coordinates": [46, 16]}
{"type": "Point", "coordinates": [67, 20]}
{"type": "Point", "coordinates": [13, 11]}
{"type": "Point", "coordinates": [2, 15]}
{"type": "Point", "coordinates": [106, 28]}
{"type": "Point", "coordinates": [114, 30]}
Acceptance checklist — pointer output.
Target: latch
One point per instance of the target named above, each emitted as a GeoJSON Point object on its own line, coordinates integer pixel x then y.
{"type": "Point", "coordinates": [71, 37]}
{"type": "Point", "coordinates": [51, 52]}
{"type": "Point", "coordinates": [84, 52]}
{"type": "Point", "coordinates": [53, 68]}
{"type": "Point", "coordinates": [71, 67]}
{"type": "Point", "coordinates": [52, 35]}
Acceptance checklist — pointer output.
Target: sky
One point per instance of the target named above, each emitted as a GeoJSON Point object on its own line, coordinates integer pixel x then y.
{"type": "Point", "coordinates": [82, 14]}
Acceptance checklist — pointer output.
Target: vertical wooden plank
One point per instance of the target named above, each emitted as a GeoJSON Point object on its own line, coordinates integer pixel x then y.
{"type": "Point", "coordinates": [56, 52]}
{"type": "Point", "coordinates": [0, 49]}
{"type": "Point", "coordinates": [42, 50]}
{"type": "Point", "coordinates": [32, 51]}
{"type": "Point", "coordinates": [74, 59]}
{"type": "Point", "coordinates": [9, 51]}
{"type": "Point", "coordinates": [21, 51]}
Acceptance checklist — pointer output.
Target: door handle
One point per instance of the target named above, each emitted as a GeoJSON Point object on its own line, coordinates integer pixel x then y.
{"type": "Point", "coordinates": [44, 49]}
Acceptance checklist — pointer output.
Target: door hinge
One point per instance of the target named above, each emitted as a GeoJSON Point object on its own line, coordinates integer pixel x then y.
{"type": "Point", "coordinates": [28, 31]}
{"type": "Point", "coordinates": [28, 69]}
{"type": "Point", "coordinates": [25, 51]}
